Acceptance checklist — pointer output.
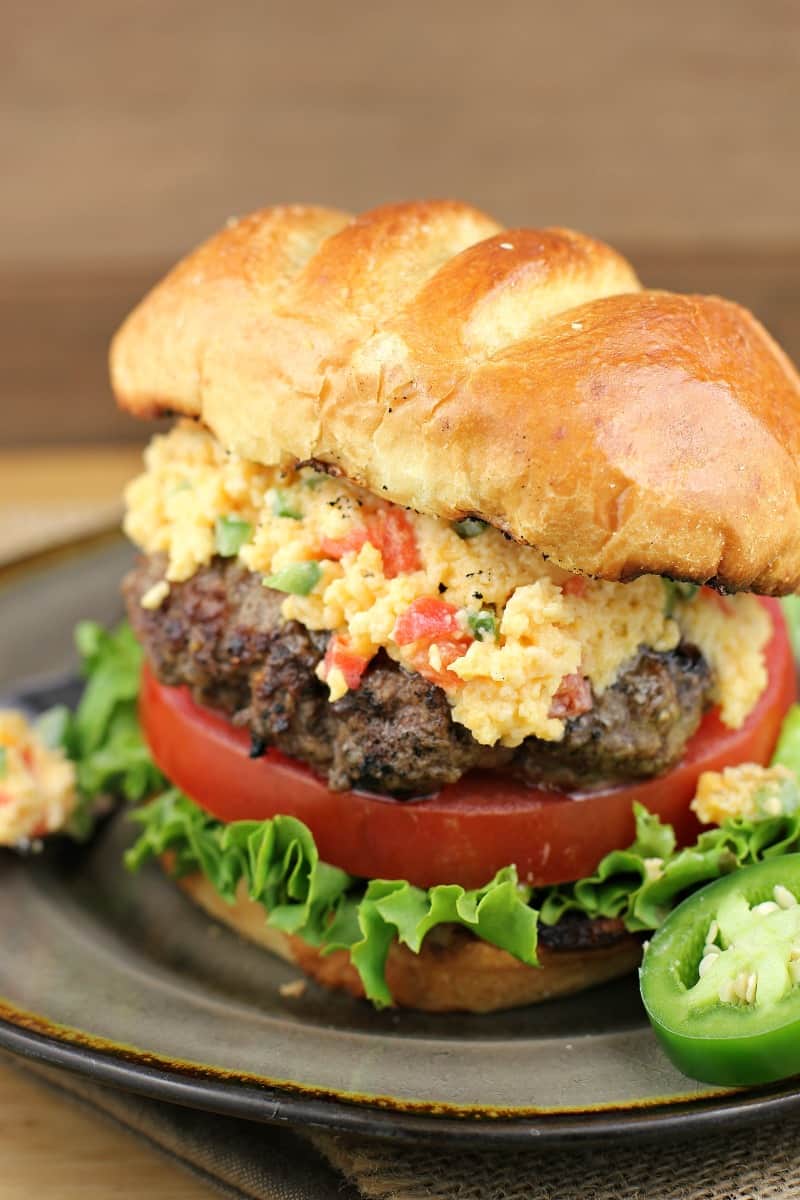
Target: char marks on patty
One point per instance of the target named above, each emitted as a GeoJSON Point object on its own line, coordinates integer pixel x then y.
{"type": "Point", "coordinates": [638, 727]}
{"type": "Point", "coordinates": [222, 634]}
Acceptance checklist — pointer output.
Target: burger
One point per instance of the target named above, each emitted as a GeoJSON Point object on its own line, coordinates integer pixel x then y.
{"type": "Point", "coordinates": [456, 595]}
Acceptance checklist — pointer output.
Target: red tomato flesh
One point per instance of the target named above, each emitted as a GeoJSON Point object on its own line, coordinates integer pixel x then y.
{"type": "Point", "coordinates": [469, 829]}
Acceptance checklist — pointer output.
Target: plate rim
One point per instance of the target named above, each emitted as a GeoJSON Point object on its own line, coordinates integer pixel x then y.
{"type": "Point", "coordinates": [196, 1086]}
{"type": "Point", "coordinates": [267, 1103]}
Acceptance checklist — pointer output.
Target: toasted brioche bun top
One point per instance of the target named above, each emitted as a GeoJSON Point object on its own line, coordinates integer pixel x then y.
{"type": "Point", "coordinates": [521, 376]}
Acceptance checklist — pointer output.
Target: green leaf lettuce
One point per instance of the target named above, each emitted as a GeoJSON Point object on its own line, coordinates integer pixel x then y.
{"type": "Point", "coordinates": [277, 863]}
{"type": "Point", "coordinates": [103, 736]}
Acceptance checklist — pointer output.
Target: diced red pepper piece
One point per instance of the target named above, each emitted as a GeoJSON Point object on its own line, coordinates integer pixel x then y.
{"type": "Point", "coordinates": [391, 532]}
{"type": "Point", "coordinates": [341, 656]}
{"type": "Point", "coordinates": [724, 605]}
{"type": "Point", "coordinates": [574, 586]}
{"type": "Point", "coordinates": [574, 696]}
{"type": "Point", "coordinates": [427, 619]}
{"type": "Point", "coordinates": [449, 651]}
{"type": "Point", "coordinates": [336, 548]}
{"type": "Point", "coordinates": [388, 530]}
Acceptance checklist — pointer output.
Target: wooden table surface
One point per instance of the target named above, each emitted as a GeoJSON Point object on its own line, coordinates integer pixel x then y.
{"type": "Point", "coordinates": [51, 1146]}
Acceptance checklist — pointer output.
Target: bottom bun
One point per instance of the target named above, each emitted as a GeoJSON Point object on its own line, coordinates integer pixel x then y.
{"type": "Point", "coordinates": [453, 972]}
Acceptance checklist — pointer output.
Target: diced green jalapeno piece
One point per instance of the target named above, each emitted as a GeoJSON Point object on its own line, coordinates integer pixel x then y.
{"type": "Point", "coordinates": [314, 479]}
{"type": "Point", "coordinates": [298, 579]}
{"type": "Point", "coordinates": [721, 979]}
{"type": "Point", "coordinates": [282, 505]}
{"type": "Point", "coordinates": [3, 761]}
{"type": "Point", "coordinates": [675, 592]}
{"type": "Point", "coordinates": [230, 534]}
{"type": "Point", "coordinates": [483, 625]}
{"type": "Point", "coordinates": [470, 527]}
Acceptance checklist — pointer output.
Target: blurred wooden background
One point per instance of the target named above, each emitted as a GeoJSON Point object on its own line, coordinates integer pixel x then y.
{"type": "Point", "coordinates": [128, 132]}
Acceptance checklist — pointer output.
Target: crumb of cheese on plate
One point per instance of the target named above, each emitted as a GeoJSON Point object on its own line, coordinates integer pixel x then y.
{"type": "Point", "coordinates": [747, 791]}
{"type": "Point", "coordinates": [37, 784]}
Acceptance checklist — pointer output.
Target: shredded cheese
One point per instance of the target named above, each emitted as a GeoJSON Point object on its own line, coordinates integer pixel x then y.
{"type": "Point", "coordinates": [549, 624]}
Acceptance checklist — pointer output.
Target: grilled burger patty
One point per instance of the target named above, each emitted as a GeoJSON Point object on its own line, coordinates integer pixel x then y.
{"type": "Point", "coordinates": [222, 634]}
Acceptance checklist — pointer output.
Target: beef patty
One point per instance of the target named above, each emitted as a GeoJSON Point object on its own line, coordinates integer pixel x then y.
{"type": "Point", "coordinates": [222, 634]}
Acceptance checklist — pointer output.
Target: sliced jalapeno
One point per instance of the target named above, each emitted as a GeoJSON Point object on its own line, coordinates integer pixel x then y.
{"type": "Point", "coordinates": [721, 979]}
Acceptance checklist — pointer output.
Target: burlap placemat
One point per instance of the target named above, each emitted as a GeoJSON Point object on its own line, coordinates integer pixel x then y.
{"type": "Point", "coordinates": [264, 1162]}
{"type": "Point", "coordinates": [759, 1164]}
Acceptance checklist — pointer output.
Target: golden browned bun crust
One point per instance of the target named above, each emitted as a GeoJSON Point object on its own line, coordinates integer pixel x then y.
{"type": "Point", "coordinates": [520, 375]}
{"type": "Point", "coordinates": [454, 973]}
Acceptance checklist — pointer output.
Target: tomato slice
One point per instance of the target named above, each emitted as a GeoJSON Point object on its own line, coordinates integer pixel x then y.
{"type": "Point", "coordinates": [738, 1022]}
{"type": "Point", "coordinates": [469, 829]}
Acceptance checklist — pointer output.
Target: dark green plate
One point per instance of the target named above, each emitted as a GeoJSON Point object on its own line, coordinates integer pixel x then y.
{"type": "Point", "coordinates": [121, 978]}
